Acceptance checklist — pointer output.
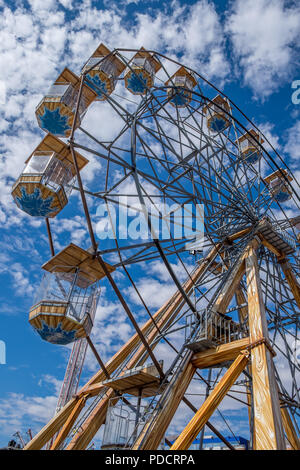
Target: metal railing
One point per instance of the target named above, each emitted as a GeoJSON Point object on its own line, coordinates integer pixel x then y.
{"type": "Point", "coordinates": [125, 421]}
{"type": "Point", "coordinates": [211, 329]}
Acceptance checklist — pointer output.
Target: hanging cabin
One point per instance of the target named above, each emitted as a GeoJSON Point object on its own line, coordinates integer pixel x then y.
{"type": "Point", "coordinates": [125, 419]}
{"type": "Point", "coordinates": [182, 83]}
{"type": "Point", "coordinates": [56, 112]}
{"type": "Point", "coordinates": [278, 186]}
{"type": "Point", "coordinates": [43, 188]}
{"type": "Point", "coordinates": [248, 146]}
{"type": "Point", "coordinates": [216, 114]}
{"type": "Point", "coordinates": [140, 73]}
{"type": "Point", "coordinates": [66, 301]}
{"type": "Point", "coordinates": [102, 70]}
{"type": "Point", "coordinates": [213, 329]}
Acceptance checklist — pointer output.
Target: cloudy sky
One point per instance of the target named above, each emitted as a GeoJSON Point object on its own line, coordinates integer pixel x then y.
{"type": "Point", "coordinates": [247, 48]}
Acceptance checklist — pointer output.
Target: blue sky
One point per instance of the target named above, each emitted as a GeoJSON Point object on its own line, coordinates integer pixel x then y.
{"type": "Point", "coordinates": [248, 48]}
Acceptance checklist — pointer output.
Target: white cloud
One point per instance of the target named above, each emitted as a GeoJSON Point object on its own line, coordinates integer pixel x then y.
{"type": "Point", "coordinates": [110, 331]}
{"type": "Point", "coordinates": [263, 34]}
{"type": "Point", "coordinates": [267, 129]}
{"type": "Point", "coordinates": [76, 227]}
{"type": "Point", "coordinates": [54, 383]}
{"type": "Point", "coordinates": [39, 6]}
{"type": "Point", "coordinates": [20, 280]}
{"type": "Point", "coordinates": [66, 3]}
{"type": "Point", "coordinates": [194, 32]}
{"type": "Point", "coordinates": [22, 283]}
{"type": "Point", "coordinates": [18, 412]}
{"type": "Point", "coordinates": [158, 268]}
{"type": "Point", "coordinates": [292, 146]}
{"type": "Point", "coordinates": [154, 292]}
{"type": "Point", "coordinates": [35, 43]}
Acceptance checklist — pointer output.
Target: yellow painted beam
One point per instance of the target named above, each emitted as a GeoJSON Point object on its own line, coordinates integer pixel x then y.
{"type": "Point", "coordinates": [289, 428]}
{"type": "Point", "coordinates": [97, 417]}
{"type": "Point", "coordinates": [222, 353]}
{"type": "Point", "coordinates": [184, 441]}
{"type": "Point", "coordinates": [291, 279]}
{"type": "Point", "coordinates": [155, 429]}
{"type": "Point", "coordinates": [267, 418]}
{"type": "Point", "coordinates": [68, 424]}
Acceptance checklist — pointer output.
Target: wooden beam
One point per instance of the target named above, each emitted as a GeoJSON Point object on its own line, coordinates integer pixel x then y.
{"type": "Point", "coordinates": [222, 353]}
{"type": "Point", "coordinates": [243, 316]}
{"type": "Point", "coordinates": [209, 425]}
{"type": "Point", "coordinates": [267, 419]}
{"type": "Point", "coordinates": [97, 417]}
{"type": "Point", "coordinates": [239, 234]}
{"type": "Point", "coordinates": [289, 428]}
{"type": "Point", "coordinates": [68, 424]}
{"type": "Point", "coordinates": [291, 279]}
{"type": "Point", "coordinates": [184, 441]}
{"type": "Point", "coordinates": [154, 430]}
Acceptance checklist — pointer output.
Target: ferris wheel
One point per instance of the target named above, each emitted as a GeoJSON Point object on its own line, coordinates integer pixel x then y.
{"type": "Point", "coordinates": [212, 200]}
